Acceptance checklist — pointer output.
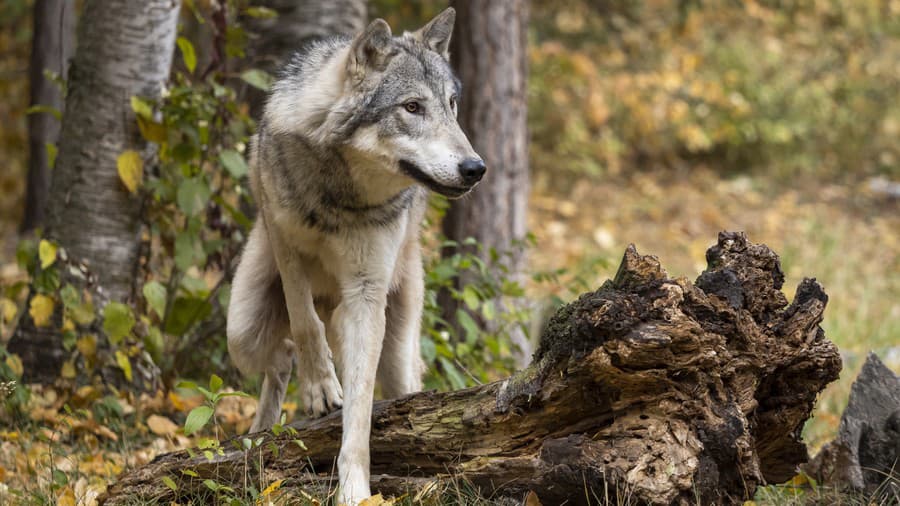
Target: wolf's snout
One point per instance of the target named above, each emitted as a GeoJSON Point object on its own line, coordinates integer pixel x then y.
{"type": "Point", "coordinates": [472, 170]}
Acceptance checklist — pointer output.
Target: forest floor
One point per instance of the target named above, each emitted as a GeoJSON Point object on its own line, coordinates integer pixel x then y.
{"type": "Point", "coordinates": [847, 236]}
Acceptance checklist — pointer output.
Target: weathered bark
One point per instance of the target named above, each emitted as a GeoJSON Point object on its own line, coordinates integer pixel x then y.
{"type": "Point", "coordinates": [124, 49]}
{"type": "Point", "coordinates": [668, 391]}
{"type": "Point", "coordinates": [488, 51]}
{"type": "Point", "coordinates": [865, 455]}
{"type": "Point", "coordinates": [53, 42]}
{"type": "Point", "coordinates": [298, 23]}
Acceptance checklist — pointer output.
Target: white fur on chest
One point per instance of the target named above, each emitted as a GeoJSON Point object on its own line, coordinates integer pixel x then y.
{"type": "Point", "coordinates": [327, 256]}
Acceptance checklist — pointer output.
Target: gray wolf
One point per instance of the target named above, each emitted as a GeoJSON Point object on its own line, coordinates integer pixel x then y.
{"type": "Point", "coordinates": [354, 134]}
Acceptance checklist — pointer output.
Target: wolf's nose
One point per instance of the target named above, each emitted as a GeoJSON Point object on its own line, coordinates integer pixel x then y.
{"type": "Point", "coordinates": [472, 170]}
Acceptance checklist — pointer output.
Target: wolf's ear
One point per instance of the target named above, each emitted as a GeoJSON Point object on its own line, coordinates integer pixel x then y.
{"type": "Point", "coordinates": [371, 49]}
{"type": "Point", "coordinates": [436, 34]}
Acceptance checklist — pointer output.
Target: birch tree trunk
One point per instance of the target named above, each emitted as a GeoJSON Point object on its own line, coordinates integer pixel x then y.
{"type": "Point", "coordinates": [488, 51]}
{"type": "Point", "coordinates": [124, 49]}
{"type": "Point", "coordinates": [53, 42]}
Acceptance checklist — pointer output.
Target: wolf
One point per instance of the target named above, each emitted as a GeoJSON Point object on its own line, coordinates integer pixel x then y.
{"type": "Point", "coordinates": [354, 134]}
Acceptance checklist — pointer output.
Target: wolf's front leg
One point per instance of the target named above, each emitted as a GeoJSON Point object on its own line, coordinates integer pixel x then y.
{"type": "Point", "coordinates": [320, 390]}
{"type": "Point", "coordinates": [360, 321]}
{"type": "Point", "coordinates": [367, 263]}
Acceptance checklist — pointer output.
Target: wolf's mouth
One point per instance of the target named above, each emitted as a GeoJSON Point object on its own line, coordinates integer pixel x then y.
{"type": "Point", "coordinates": [417, 174]}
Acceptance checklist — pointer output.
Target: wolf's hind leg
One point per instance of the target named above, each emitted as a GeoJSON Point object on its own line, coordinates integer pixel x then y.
{"type": "Point", "coordinates": [400, 367]}
{"type": "Point", "coordinates": [274, 387]}
{"type": "Point", "coordinates": [258, 328]}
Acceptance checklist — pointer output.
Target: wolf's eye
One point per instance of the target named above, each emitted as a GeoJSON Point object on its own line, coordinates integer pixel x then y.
{"type": "Point", "coordinates": [453, 101]}
{"type": "Point", "coordinates": [412, 107]}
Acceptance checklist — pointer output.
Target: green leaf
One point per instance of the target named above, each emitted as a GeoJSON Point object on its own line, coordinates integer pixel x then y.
{"type": "Point", "coordinates": [185, 313]}
{"type": "Point", "coordinates": [471, 298]}
{"type": "Point", "coordinates": [38, 109]}
{"type": "Point", "coordinates": [117, 321]}
{"type": "Point", "coordinates": [258, 79]}
{"type": "Point", "coordinates": [52, 150]}
{"type": "Point", "coordinates": [215, 383]}
{"type": "Point", "coordinates": [81, 312]}
{"type": "Point", "coordinates": [453, 375]}
{"type": "Point", "coordinates": [468, 325]}
{"type": "Point", "coordinates": [196, 419]}
{"type": "Point", "coordinates": [155, 294]}
{"type": "Point", "coordinates": [233, 163]}
{"type": "Point", "coordinates": [193, 194]}
{"type": "Point", "coordinates": [211, 397]}
{"type": "Point", "coordinates": [169, 482]}
{"type": "Point", "coordinates": [187, 54]}
{"type": "Point", "coordinates": [188, 250]}
{"type": "Point", "coordinates": [47, 253]}
{"type": "Point", "coordinates": [154, 343]}
{"type": "Point", "coordinates": [261, 12]}
{"type": "Point", "coordinates": [190, 385]}
{"type": "Point", "coordinates": [488, 310]}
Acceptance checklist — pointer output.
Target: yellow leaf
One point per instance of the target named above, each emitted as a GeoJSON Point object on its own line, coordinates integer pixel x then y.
{"type": "Point", "coordinates": [275, 485]}
{"type": "Point", "coordinates": [131, 169]}
{"type": "Point", "coordinates": [66, 498]}
{"type": "Point", "coordinates": [161, 426]}
{"type": "Point", "coordinates": [47, 253]}
{"type": "Point", "coordinates": [531, 499]}
{"type": "Point", "coordinates": [67, 325]}
{"type": "Point", "coordinates": [152, 131]}
{"type": "Point", "coordinates": [376, 500]}
{"type": "Point", "coordinates": [68, 370]}
{"type": "Point", "coordinates": [87, 345]}
{"type": "Point", "coordinates": [15, 363]}
{"type": "Point", "coordinates": [124, 363]}
{"type": "Point", "coordinates": [41, 310]}
{"type": "Point", "coordinates": [8, 310]}
{"type": "Point", "coordinates": [177, 402]}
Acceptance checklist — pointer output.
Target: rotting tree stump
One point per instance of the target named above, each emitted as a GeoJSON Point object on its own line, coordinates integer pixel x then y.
{"type": "Point", "coordinates": [663, 390]}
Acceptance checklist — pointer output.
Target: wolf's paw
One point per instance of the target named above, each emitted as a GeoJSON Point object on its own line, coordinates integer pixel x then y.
{"type": "Point", "coordinates": [320, 390]}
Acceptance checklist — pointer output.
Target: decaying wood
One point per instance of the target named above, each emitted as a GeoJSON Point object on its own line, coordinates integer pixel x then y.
{"type": "Point", "coordinates": [668, 391]}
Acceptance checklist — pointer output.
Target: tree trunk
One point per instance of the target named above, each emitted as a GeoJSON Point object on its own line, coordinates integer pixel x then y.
{"type": "Point", "coordinates": [488, 51]}
{"type": "Point", "coordinates": [664, 390]}
{"type": "Point", "coordinates": [53, 41]}
{"type": "Point", "coordinates": [124, 49]}
{"type": "Point", "coordinates": [298, 23]}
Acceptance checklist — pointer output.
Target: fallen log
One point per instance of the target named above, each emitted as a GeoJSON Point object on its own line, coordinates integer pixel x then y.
{"type": "Point", "coordinates": [664, 390]}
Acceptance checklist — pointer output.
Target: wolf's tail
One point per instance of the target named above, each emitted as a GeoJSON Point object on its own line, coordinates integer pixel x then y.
{"type": "Point", "coordinates": [259, 332]}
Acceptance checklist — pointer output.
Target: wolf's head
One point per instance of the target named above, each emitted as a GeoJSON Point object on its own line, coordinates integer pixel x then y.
{"type": "Point", "coordinates": [407, 98]}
